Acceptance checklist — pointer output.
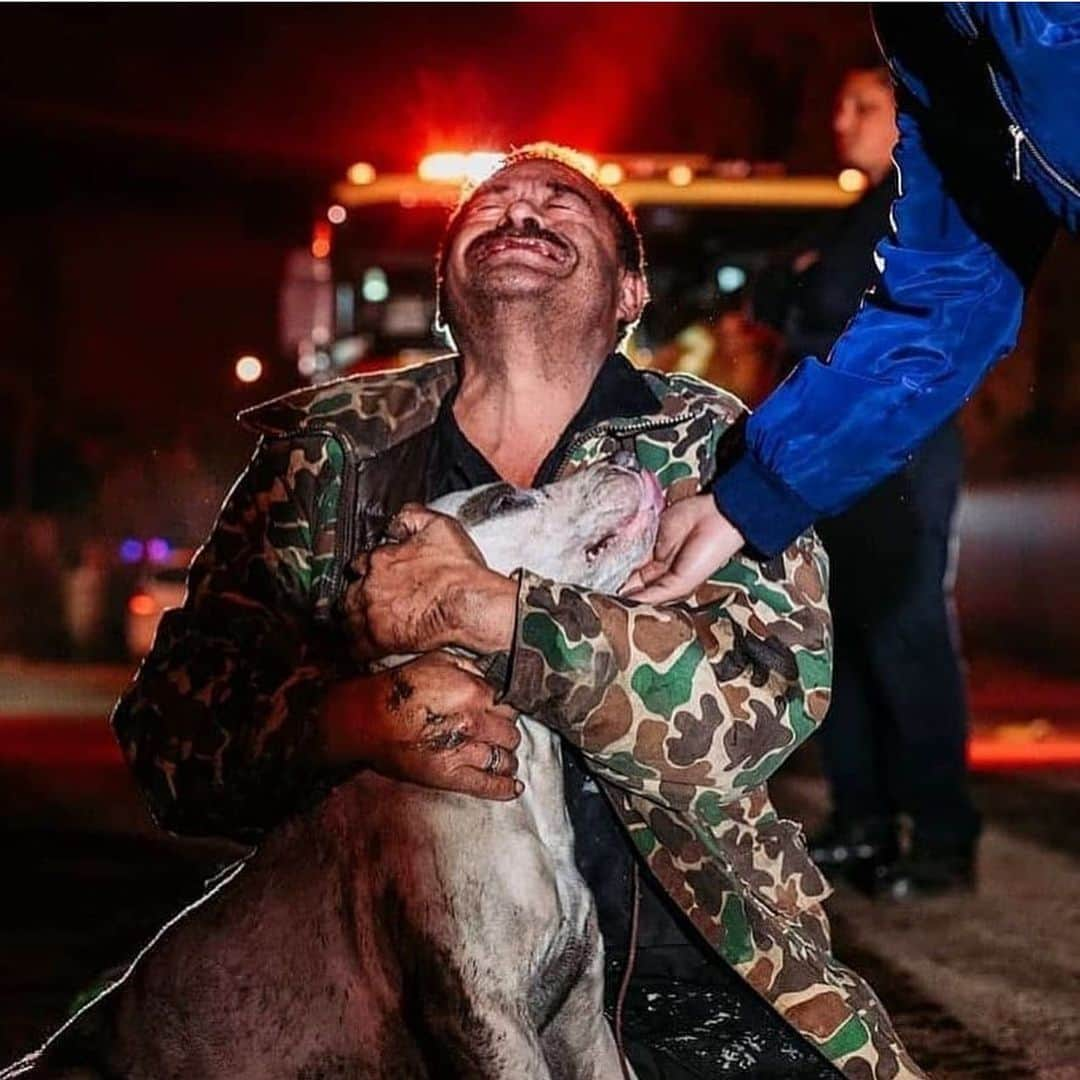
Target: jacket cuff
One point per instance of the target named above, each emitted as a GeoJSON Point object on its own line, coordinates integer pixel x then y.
{"type": "Point", "coordinates": [539, 644]}
{"type": "Point", "coordinates": [761, 506]}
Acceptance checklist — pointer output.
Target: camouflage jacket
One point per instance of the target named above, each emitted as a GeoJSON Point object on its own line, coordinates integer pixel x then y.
{"type": "Point", "coordinates": [682, 711]}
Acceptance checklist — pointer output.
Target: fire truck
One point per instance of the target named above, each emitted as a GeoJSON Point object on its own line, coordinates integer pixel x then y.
{"type": "Point", "coordinates": [362, 296]}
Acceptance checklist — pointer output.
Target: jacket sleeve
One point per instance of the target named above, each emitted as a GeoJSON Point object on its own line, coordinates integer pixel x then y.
{"type": "Point", "coordinates": [699, 699]}
{"type": "Point", "coordinates": [946, 308]}
{"type": "Point", "coordinates": [219, 723]}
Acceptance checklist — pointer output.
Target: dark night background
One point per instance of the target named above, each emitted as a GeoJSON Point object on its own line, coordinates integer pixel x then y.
{"type": "Point", "coordinates": [161, 160]}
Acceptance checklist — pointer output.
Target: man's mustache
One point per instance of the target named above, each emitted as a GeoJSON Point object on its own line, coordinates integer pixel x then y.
{"type": "Point", "coordinates": [531, 231]}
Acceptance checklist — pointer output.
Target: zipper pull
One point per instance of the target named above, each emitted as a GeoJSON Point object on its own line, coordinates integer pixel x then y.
{"type": "Point", "coordinates": [1017, 138]}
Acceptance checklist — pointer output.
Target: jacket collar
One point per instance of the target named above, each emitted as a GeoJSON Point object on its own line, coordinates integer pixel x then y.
{"type": "Point", "coordinates": [371, 412]}
{"type": "Point", "coordinates": [376, 411]}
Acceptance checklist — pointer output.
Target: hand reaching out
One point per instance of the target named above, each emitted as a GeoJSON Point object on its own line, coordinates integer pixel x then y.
{"type": "Point", "coordinates": [694, 540]}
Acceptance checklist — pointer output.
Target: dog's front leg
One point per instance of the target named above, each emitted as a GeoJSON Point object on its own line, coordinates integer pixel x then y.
{"type": "Point", "coordinates": [578, 1041]}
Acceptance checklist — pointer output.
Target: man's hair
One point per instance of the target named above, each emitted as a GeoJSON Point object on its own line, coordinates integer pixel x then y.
{"type": "Point", "coordinates": [631, 251]}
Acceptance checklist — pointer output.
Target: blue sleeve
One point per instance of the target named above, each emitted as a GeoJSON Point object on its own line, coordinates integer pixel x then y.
{"type": "Point", "coordinates": [946, 308]}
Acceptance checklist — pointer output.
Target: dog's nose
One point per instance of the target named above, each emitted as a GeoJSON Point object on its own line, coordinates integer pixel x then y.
{"type": "Point", "coordinates": [624, 459]}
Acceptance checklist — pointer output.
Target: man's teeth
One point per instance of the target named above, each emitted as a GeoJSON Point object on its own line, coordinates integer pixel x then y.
{"type": "Point", "coordinates": [541, 246]}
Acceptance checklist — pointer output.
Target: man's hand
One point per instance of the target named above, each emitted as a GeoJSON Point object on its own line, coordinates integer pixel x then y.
{"type": "Point", "coordinates": [432, 721]}
{"type": "Point", "coordinates": [694, 540]}
{"type": "Point", "coordinates": [430, 590]}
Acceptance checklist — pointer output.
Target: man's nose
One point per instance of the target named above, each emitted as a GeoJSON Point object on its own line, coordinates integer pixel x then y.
{"type": "Point", "coordinates": [522, 211]}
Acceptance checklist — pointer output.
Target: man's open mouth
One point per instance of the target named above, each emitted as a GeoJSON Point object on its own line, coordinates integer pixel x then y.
{"type": "Point", "coordinates": [548, 248]}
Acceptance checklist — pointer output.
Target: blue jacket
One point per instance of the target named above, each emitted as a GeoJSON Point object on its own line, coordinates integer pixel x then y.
{"type": "Point", "coordinates": [989, 164]}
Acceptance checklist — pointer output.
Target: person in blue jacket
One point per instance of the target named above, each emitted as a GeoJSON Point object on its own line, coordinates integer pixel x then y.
{"type": "Point", "coordinates": [894, 744]}
{"type": "Point", "coordinates": [988, 166]}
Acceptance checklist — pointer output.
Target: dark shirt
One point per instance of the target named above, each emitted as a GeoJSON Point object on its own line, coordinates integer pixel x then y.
{"type": "Point", "coordinates": [454, 464]}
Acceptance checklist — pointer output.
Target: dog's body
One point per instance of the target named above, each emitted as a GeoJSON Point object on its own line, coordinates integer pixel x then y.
{"type": "Point", "coordinates": [394, 930]}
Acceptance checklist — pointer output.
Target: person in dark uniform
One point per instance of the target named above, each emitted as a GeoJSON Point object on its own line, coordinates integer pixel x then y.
{"type": "Point", "coordinates": [894, 740]}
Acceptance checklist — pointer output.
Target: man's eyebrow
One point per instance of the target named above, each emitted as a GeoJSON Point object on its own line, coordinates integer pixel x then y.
{"type": "Point", "coordinates": [559, 188]}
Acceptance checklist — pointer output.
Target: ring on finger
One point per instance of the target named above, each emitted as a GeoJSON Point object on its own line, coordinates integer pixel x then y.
{"type": "Point", "coordinates": [494, 760]}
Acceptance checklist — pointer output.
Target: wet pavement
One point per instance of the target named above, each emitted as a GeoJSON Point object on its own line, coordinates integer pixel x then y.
{"type": "Point", "coordinates": [984, 985]}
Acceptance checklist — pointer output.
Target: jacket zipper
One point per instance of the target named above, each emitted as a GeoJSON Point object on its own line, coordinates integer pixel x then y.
{"type": "Point", "coordinates": [968, 21]}
{"type": "Point", "coordinates": [1019, 136]}
{"type": "Point", "coordinates": [609, 427]}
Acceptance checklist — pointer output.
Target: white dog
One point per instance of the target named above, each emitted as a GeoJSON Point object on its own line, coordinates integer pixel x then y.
{"type": "Point", "coordinates": [396, 931]}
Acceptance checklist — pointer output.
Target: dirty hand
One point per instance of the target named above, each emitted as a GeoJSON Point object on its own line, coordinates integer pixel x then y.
{"type": "Point", "coordinates": [694, 540]}
{"type": "Point", "coordinates": [430, 590]}
{"type": "Point", "coordinates": [432, 721]}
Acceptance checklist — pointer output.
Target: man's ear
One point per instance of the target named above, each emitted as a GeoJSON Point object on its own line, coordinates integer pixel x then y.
{"type": "Point", "coordinates": [633, 296]}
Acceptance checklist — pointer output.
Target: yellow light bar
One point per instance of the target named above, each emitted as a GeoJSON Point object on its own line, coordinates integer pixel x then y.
{"type": "Point", "coordinates": [778, 191]}
{"type": "Point", "coordinates": [474, 167]}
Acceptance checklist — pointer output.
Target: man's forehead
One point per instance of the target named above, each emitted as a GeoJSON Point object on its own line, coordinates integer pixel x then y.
{"type": "Point", "coordinates": [546, 173]}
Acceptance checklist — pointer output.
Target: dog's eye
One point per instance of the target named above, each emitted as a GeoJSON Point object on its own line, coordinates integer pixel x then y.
{"type": "Point", "coordinates": [509, 499]}
{"type": "Point", "coordinates": [594, 551]}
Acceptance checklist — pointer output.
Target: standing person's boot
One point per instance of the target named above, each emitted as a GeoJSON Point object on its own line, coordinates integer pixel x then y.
{"type": "Point", "coordinates": [926, 871]}
{"type": "Point", "coordinates": [858, 851]}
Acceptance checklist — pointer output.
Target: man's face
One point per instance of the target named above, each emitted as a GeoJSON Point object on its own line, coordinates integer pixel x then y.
{"type": "Point", "coordinates": [864, 123]}
{"type": "Point", "coordinates": [537, 229]}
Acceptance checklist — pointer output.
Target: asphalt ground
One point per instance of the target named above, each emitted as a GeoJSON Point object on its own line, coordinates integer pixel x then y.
{"type": "Point", "coordinates": [984, 985]}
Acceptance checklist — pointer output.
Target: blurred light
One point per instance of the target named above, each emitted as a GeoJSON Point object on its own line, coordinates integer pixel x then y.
{"type": "Point", "coordinates": [344, 306]}
{"type": "Point", "coordinates": [987, 754]}
{"type": "Point", "coordinates": [320, 243]}
{"type": "Point", "coordinates": [375, 288]}
{"type": "Point", "coordinates": [305, 365]}
{"type": "Point", "coordinates": [474, 167]}
{"type": "Point", "coordinates": [680, 175]}
{"type": "Point", "coordinates": [363, 172]}
{"type": "Point", "coordinates": [852, 180]}
{"type": "Point", "coordinates": [249, 369]}
{"type": "Point", "coordinates": [336, 214]}
{"type": "Point", "coordinates": [610, 173]}
{"type": "Point", "coordinates": [131, 551]}
{"type": "Point", "coordinates": [158, 550]}
{"type": "Point", "coordinates": [737, 169]}
{"type": "Point", "coordinates": [142, 604]}
{"type": "Point", "coordinates": [730, 279]}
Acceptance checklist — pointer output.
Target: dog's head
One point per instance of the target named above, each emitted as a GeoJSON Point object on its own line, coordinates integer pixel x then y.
{"type": "Point", "coordinates": [592, 528]}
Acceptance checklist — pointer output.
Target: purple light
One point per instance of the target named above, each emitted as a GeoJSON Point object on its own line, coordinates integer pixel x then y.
{"type": "Point", "coordinates": [131, 551]}
{"type": "Point", "coordinates": [158, 550]}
